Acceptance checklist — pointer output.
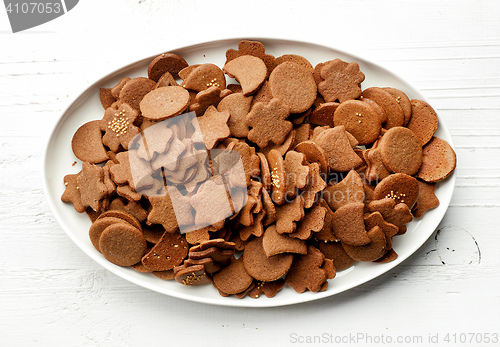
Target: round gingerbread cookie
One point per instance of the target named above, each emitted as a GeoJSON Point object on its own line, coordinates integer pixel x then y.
{"type": "Point", "coordinates": [233, 279]}
{"type": "Point", "coordinates": [394, 112]}
{"type": "Point", "coordinates": [164, 102]}
{"type": "Point", "coordinates": [294, 85]}
{"type": "Point", "coordinates": [124, 216]}
{"type": "Point", "coordinates": [401, 151]}
{"type": "Point", "coordinates": [359, 119]}
{"type": "Point", "coordinates": [122, 244]}
{"type": "Point", "coordinates": [400, 187]}
{"type": "Point", "coordinates": [99, 225]}
{"type": "Point", "coordinates": [87, 143]}
{"type": "Point", "coordinates": [166, 62]}
{"type": "Point", "coordinates": [134, 91]}
{"type": "Point", "coordinates": [378, 110]}
{"type": "Point", "coordinates": [264, 268]}
{"type": "Point", "coordinates": [298, 59]}
{"type": "Point", "coordinates": [403, 101]}
{"type": "Point", "coordinates": [424, 121]}
{"type": "Point", "coordinates": [439, 161]}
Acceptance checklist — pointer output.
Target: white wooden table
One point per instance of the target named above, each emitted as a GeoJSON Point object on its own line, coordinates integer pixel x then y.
{"type": "Point", "coordinates": [52, 294]}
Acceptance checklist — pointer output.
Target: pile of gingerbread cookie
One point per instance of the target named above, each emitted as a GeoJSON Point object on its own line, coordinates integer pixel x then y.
{"type": "Point", "coordinates": [330, 172]}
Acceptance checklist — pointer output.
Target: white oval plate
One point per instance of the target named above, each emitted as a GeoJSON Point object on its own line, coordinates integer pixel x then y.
{"type": "Point", "coordinates": [59, 159]}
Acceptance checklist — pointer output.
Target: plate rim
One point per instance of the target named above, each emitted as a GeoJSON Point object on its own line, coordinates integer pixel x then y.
{"type": "Point", "coordinates": [230, 301]}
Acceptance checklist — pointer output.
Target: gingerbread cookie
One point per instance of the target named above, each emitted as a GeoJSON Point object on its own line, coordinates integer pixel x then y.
{"type": "Point", "coordinates": [400, 187]}
{"type": "Point", "coordinates": [338, 148]}
{"type": "Point", "coordinates": [395, 213]}
{"type": "Point", "coordinates": [167, 253]}
{"type": "Point", "coordinates": [119, 127]}
{"type": "Point", "coordinates": [72, 193]}
{"type": "Point", "coordinates": [254, 48]}
{"type": "Point", "coordinates": [297, 172]}
{"type": "Point", "coordinates": [323, 114]}
{"type": "Point", "coordinates": [233, 279]}
{"type": "Point", "coordinates": [306, 272]}
{"type": "Point", "coordinates": [249, 71]}
{"type": "Point", "coordinates": [335, 252]}
{"type": "Point", "coordinates": [359, 119]}
{"type": "Point", "coordinates": [294, 85]}
{"type": "Point", "coordinates": [264, 268]}
{"type": "Point", "coordinates": [91, 186]}
{"type": "Point", "coordinates": [401, 151]}
{"type": "Point", "coordinates": [426, 200]}
{"type": "Point", "coordinates": [403, 101]}
{"type": "Point", "coordinates": [275, 243]}
{"type": "Point", "coordinates": [349, 190]}
{"type": "Point", "coordinates": [268, 123]}
{"type": "Point", "coordinates": [348, 224]}
{"type": "Point", "coordinates": [439, 161]}
{"type": "Point", "coordinates": [87, 143]}
{"type": "Point", "coordinates": [106, 97]}
{"type": "Point", "coordinates": [213, 126]}
{"type": "Point", "coordinates": [122, 244]}
{"type": "Point", "coordinates": [278, 177]}
{"type": "Point", "coordinates": [238, 106]}
{"type": "Point", "coordinates": [164, 102]}
{"type": "Point", "coordinates": [203, 77]}
{"type": "Point", "coordinates": [341, 81]}
{"type": "Point", "coordinates": [166, 63]}
{"type": "Point", "coordinates": [423, 121]}
{"type": "Point", "coordinates": [134, 91]}
{"type": "Point", "coordinates": [393, 111]}
{"type": "Point", "coordinates": [372, 251]}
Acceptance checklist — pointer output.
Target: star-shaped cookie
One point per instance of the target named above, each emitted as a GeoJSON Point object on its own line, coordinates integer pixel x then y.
{"type": "Point", "coordinates": [213, 126]}
{"type": "Point", "coordinates": [119, 127]}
